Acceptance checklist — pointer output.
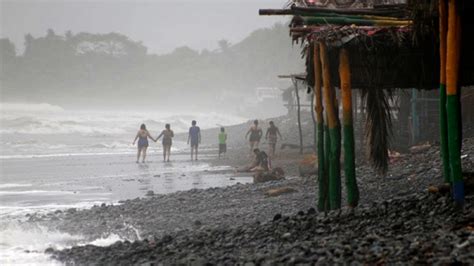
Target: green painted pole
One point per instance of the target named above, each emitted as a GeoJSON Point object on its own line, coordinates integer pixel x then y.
{"type": "Point", "coordinates": [348, 129]}
{"type": "Point", "coordinates": [444, 133]}
{"type": "Point", "coordinates": [443, 123]}
{"type": "Point", "coordinates": [327, 150]}
{"type": "Point", "coordinates": [318, 107]}
{"type": "Point", "coordinates": [337, 164]}
{"type": "Point", "coordinates": [334, 132]}
{"type": "Point", "coordinates": [452, 100]}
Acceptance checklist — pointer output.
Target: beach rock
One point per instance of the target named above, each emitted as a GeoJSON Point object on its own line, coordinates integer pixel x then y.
{"type": "Point", "coordinates": [397, 222]}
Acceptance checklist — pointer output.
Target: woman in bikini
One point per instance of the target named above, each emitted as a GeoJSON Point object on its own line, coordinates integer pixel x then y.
{"type": "Point", "coordinates": [255, 135]}
{"type": "Point", "coordinates": [167, 135]}
{"type": "Point", "coordinates": [272, 136]}
{"type": "Point", "coordinates": [142, 136]}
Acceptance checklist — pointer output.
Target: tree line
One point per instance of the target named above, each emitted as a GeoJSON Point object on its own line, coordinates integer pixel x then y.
{"type": "Point", "coordinates": [112, 66]}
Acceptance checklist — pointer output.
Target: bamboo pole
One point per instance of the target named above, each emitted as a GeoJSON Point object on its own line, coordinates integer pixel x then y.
{"type": "Point", "coordinates": [275, 12]}
{"type": "Point", "coordinates": [318, 107]}
{"type": "Point", "coordinates": [295, 83]}
{"type": "Point", "coordinates": [327, 151]}
{"type": "Point", "coordinates": [348, 129]}
{"type": "Point", "coordinates": [443, 20]}
{"type": "Point", "coordinates": [453, 104]}
{"type": "Point", "coordinates": [358, 22]}
{"type": "Point", "coordinates": [333, 130]}
{"type": "Point", "coordinates": [391, 12]}
{"type": "Point", "coordinates": [315, 125]}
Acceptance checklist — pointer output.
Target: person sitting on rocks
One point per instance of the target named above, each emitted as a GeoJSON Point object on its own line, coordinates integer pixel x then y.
{"type": "Point", "coordinates": [261, 163]}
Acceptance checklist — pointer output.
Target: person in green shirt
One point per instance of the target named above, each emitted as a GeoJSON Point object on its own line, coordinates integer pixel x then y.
{"type": "Point", "coordinates": [222, 142]}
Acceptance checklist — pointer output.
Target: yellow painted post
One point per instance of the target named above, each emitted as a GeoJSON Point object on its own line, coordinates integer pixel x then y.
{"type": "Point", "coordinates": [334, 136]}
{"type": "Point", "coordinates": [348, 128]}
{"type": "Point", "coordinates": [318, 107]}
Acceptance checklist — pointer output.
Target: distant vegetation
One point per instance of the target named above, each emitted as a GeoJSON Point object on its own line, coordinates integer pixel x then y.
{"type": "Point", "coordinates": [111, 68]}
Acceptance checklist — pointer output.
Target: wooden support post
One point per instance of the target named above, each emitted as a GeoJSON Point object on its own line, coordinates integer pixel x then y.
{"type": "Point", "coordinates": [315, 125]}
{"type": "Point", "coordinates": [415, 120]}
{"type": "Point", "coordinates": [334, 132]}
{"type": "Point", "coordinates": [327, 162]}
{"type": "Point", "coordinates": [318, 107]}
{"type": "Point", "coordinates": [295, 84]}
{"type": "Point", "coordinates": [348, 129]}
{"type": "Point", "coordinates": [452, 100]}
{"type": "Point", "coordinates": [443, 123]}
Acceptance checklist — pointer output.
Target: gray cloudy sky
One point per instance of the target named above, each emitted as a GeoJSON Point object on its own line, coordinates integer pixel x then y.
{"type": "Point", "coordinates": [162, 25]}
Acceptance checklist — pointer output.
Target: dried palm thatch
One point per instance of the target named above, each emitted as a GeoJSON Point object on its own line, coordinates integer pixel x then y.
{"type": "Point", "coordinates": [374, 63]}
{"type": "Point", "coordinates": [378, 126]}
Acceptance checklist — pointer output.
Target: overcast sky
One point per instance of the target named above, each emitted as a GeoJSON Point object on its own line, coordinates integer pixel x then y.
{"type": "Point", "coordinates": [161, 25]}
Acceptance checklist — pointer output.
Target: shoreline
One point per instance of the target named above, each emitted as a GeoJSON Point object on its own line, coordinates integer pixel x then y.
{"type": "Point", "coordinates": [234, 224]}
{"type": "Point", "coordinates": [198, 225]}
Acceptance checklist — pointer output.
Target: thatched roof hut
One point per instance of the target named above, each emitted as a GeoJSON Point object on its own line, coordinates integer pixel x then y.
{"type": "Point", "coordinates": [393, 44]}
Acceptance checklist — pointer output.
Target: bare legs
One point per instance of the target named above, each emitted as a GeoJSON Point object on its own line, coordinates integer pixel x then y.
{"type": "Point", "coordinates": [143, 152]}
{"type": "Point", "coordinates": [166, 153]}
{"type": "Point", "coordinates": [253, 145]}
{"type": "Point", "coordinates": [194, 150]}
{"type": "Point", "coordinates": [271, 149]}
{"type": "Point", "coordinates": [139, 150]}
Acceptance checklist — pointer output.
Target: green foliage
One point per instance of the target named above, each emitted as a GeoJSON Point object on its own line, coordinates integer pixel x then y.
{"type": "Point", "coordinates": [82, 64]}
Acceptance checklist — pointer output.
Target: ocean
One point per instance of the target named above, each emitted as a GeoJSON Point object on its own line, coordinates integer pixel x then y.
{"type": "Point", "coordinates": [54, 158]}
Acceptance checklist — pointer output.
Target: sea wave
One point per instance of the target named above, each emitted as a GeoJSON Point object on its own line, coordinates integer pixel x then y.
{"type": "Point", "coordinates": [38, 130]}
{"type": "Point", "coordinates": [14, 185]}
{"type": "Point", "coordinates": [29, 107]}
{"type": "Point", "coordinates": [25, 243]}
{"type": "Point", "coordinates": [48, 125]}
{"type": "Point", "coordinates": [30, 156]}
{"type": "Point", "coordinates": [45, 192]}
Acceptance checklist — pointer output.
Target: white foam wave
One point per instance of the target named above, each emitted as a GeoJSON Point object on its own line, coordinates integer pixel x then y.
{"type": "Point", "coordinates": [42, 124]}
{"type": "Point", "coordinates": [13, 185]}
{"type": "Point", "coordinates": [57, 132]}
{"type": "Point", "coordinates": [106, 241]}
{"type": "Point", "coordinates": [25, 243]}
{"type": "Point", "coordinates": [30, 156]}
{"type": "Point", "coordinates": [46, 192]}
{"type": "Point", "coordinates": [30, 107]}
{"type": "Point", "coordinates": [21, 211]}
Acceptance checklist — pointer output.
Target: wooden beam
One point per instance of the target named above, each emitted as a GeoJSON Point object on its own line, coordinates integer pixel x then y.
{"type": "Point", "coordinates": [275, 12]}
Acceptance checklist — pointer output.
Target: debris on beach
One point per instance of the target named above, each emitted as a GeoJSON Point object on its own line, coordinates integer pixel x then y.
{"type": "Point", "coordinates": [275, 192]}
{"type": "Point", "coordinates": [275, 174]}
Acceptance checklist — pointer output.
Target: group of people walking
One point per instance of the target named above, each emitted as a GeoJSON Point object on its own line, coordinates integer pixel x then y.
{"type": "Point", "coordinates": [271, 136]}
{"type": "Point", "coordinates": [262, 160]}
{"type": "Point", "coordinates": [194, 138]}
{"type": "Point", "coordinates": [254, 135]}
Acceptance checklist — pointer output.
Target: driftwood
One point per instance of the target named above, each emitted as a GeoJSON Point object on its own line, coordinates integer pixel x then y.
{"type": "Point", "coordinates": [274, 192]}
{"type": "Point", "coordinates": [276, 174]}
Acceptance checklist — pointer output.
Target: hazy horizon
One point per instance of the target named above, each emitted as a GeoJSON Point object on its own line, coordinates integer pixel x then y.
{"type": "Point", "coordinates": [161, 25]}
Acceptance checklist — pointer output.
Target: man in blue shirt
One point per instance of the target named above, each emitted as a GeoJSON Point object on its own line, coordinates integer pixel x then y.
{"type": "Point", "coordinates": [195, 138]}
